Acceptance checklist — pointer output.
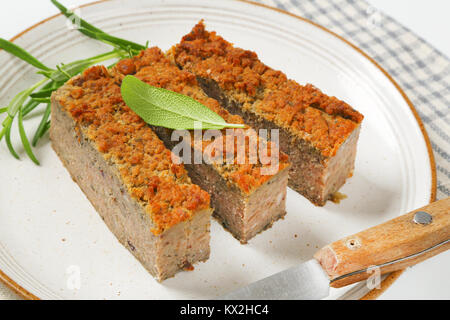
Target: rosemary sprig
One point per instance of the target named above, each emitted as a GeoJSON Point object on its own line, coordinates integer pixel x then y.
{"type": "Point", "coordinates": [131, 47]}
{"type": "Point", "coordinates": [29, 99]}
{"type": "Point", "coordinates": [42, 128]}
{"type": "Point", "coordinates": [14, 107]}
{"type": "Point", "coordinates": [16, 104]}
{"type": "Point", "coordinates": [95, 33]}
{"type": "Point", "coordinates": [69, 14]}
{"type": "Point", "coordinates": [43, 93]}
{"type": "Point", "coordinates": [9, 144]}
{"type": "Point", "coordinates": [32, 104]}
{"type": "Point", "coordinates": [25, 142]}
{"type": "Point", "coordinates": [64, 72]}
{"type": "Point", "coordinates": [22, 54]}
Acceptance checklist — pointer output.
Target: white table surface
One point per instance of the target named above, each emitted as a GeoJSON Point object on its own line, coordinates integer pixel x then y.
{"type": "Point", "coordinates": [428, 19]}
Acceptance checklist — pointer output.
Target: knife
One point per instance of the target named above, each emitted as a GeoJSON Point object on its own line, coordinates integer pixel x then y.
{"type": "Point", "coordinates": [393, 245]}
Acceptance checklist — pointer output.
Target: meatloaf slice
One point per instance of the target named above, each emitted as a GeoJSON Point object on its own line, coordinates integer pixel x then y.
{"type": "Point", "coordinates": [148, 202]}
{"type": "Point", "coordinates": [318, 132]}
{"type": "Point", "coordinates": [247, 196]}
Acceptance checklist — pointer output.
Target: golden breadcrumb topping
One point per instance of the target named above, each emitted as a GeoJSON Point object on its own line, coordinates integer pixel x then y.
{"type": "Point", "coordinates": [94, 100]}
{"type": "Point", "coordinates": [304, 111]}
{"type": "Point", "coordinates": [154, 68]}
{"type": "Point", "coordinates": [162, 187]}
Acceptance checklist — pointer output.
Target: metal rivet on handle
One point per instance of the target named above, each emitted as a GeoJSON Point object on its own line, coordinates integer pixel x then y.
{"type": "Point", "coordinates": [353, 244]}
{"type": "Point", "coordinates": [421, 217]}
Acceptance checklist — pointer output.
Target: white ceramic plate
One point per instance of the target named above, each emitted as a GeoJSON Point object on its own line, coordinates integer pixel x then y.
{"type": "Point", "coordinates": [49, 230]}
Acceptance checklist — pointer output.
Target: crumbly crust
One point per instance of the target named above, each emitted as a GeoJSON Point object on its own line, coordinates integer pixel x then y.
{"type": "Point", "coordinates": [154, 68]}
{"type": "Point", "coordinates": [305, 111]}
{"type": "Point", "coordinates": [123, 138]}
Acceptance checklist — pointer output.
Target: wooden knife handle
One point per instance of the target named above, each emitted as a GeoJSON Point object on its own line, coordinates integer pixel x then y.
{"type": "Point", "coordinates": [404, 238]}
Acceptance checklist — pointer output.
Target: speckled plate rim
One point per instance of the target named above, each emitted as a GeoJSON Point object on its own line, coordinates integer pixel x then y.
{"type": "Point", "coordinates": [392, 277]}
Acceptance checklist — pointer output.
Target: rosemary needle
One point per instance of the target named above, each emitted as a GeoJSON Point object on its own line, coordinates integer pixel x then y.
{"type": "Point", "coordinates": [24, 138]}
{"type": "Point", "coordinates": [29, 99]}
{"type": "Point", "coordinates": [42, 125]}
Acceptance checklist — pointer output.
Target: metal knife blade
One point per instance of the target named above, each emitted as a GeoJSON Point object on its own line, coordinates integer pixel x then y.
{"type": "Point", "coordinates": [307, 281]}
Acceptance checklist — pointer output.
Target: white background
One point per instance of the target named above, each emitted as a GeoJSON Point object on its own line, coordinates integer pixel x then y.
{"type": "Point", "coordinates": [428, 19]}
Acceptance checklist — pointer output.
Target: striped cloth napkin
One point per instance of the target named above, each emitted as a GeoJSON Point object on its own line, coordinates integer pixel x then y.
{"type": "Point", "coordinates": [420, 70]}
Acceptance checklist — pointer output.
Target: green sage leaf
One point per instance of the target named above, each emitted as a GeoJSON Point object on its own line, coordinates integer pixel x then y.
{"type": "Point", "coordinates": [165, 108]}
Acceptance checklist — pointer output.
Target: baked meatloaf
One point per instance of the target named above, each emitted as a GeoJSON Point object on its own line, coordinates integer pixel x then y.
{"type": "Point", "coordinates": [124, 169]}
{"type": "Point", "coordinates": [318, 132]}
{"type": "Point", "coordinates": [247, 194]}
